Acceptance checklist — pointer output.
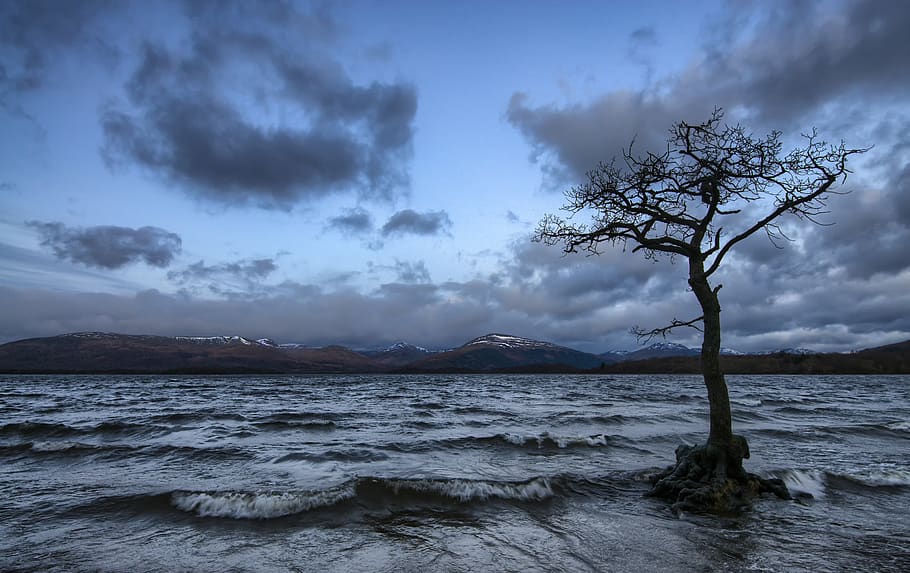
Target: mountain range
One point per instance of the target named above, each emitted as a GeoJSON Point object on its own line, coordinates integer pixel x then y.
{"type": "Point", "coordinates": [99, 352]}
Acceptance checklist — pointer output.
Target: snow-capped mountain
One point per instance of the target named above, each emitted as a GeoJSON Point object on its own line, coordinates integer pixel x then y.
{"type": "Point", "coordinates": [222, 340]}
{"type": "Point", "coordinates": [656, 350]}
{"type": "Point", "coordinates": [503, 352]}
{"type": "Point", "coordinates": [509, 341]}
{"type": "Point", "coordinates": [406, 347]}
{"type": "Point", "coordinates": [398, 354]}
{"type": "Point", "coordinates": [661, 350]}
{"type": "Point", "coordinates": [797, 351]}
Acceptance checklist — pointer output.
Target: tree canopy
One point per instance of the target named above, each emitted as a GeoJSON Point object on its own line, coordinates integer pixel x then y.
{"type": "Point", "coordinates": [676, 202]}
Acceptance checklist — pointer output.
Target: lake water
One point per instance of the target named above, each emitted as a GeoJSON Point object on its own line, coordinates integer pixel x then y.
{"type": "Point", "coordinates": [440, 473]}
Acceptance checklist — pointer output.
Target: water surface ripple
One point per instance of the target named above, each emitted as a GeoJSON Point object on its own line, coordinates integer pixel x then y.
{"type": "Point", "coordinates": [440, 473]}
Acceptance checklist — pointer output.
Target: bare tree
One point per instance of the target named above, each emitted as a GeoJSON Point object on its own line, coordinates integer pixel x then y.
{"type": "Point", "coordinates": [695, 201]}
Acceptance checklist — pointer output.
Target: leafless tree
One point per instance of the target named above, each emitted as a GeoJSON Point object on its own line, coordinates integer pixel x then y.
{"type": "Point", "coordinates": [697, 200]}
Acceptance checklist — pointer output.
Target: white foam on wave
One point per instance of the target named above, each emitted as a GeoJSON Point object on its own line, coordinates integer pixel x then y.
{"type": "Point", "coordinates": [903, 426]}
{"type": "Point", "coordinates": [257, 505]}
{"type": "Point", "coordinates": [516, 439]}
{"type": "Point", "coordinates": [884, 477]}
{"type": "Point", "coordinates": [470, 490]}
{"type": "Point", "coordinates": [58, 446]}
{"type": "Point", "coordinates": [561, 442]}
{"type": "Point", "coordinates": [804, 483]}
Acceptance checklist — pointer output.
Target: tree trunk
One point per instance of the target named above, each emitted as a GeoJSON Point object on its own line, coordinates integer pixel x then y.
{"type": "Point", "coordinates": [711, 477]}
{"type": "Point", "coordinates": [721, 433]}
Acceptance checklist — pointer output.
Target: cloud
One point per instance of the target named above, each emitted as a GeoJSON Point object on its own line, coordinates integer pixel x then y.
{"type": "Point", "coordinates": [405, 272]}
{"type": "Point", "coordinates": [247, 270]}
{"type": "Point", "coordinates": [193, 126]}
{"type": "Point", "coordinates": [831, 58]}
{"type": "Point", "coordinates": [33, 33]}
{"type": "Point", "coordinates": [410, 222]}
{"type": "Point", "coordinates": [109, 247]}
{"type": "Point", "coordinates": [640, 40]}
{"type": "Point", "coordinates": [355, 221]}
{"type": "Point", "coordinates": [548, 298]}
{"type": "Point", "coordinates": [831, 55]}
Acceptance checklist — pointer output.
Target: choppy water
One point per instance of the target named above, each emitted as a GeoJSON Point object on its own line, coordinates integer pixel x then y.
{"type": "Point", "coordinates": [439, 473]}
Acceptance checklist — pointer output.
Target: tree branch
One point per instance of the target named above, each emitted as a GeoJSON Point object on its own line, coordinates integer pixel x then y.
{"type": "Point", "coordinates": [647, 335]}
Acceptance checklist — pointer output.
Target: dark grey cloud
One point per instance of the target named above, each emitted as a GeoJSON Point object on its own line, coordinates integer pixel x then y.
{"type": "Point", "coordinates": [411, 272]}
{"type": "Point", "coordinates": [569, 141]}
{"type": "Point", "coordinates": [901, 191]}
{"type": "Point", "coordinates": [249, 270]}
{"type": "Point", "coordinates": [831, 58]}
{"type": "Point", "coordinates": [34, 33]}
{"type": "Point", "coordinates": [405, 272]}
{"type": "Point", "coordinates": [410, 222]}
{"type": "Point", "coordinates": [859, 51]}
{"type": "Point", "coordinates": [109, 247]}
{"type": "Point", "coordinates": [868, 235]}
{"type": "Point", "coordinates": [354, 221]}
{"type": "Point", "coordinates": [189, 124]}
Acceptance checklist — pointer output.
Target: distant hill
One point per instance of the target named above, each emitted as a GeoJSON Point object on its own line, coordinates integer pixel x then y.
{"type": "Point", "coordinates": [398, 354]}
{"type": "Point", "coordinates": [891, 359]}
{"type": "Point", "coordinates": [99, 352]}
{"type": "Point", "coordinates": [108, 352]}
{"type": "Point", "coordinates": [497, 352]}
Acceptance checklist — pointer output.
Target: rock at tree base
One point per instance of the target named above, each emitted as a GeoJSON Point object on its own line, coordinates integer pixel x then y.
{"type": "Point", "coordinates": [711, 479]}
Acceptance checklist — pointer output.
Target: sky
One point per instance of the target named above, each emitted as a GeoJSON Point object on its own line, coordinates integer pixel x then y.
{"type": "Point", "coordinates": [362, 173]}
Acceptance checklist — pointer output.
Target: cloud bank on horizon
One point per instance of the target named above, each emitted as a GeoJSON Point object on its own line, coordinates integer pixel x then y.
{"type": "Point", "coordinates": [361, 174]}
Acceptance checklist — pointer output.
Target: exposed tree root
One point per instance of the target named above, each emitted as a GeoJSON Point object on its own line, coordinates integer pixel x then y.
{"type": "Point", "coordinates": [711, 479]}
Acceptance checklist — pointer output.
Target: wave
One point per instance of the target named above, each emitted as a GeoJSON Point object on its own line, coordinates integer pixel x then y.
{"type": "Point", "coordinates": [748, 416]}
{"type": "Point", "coordinates": [303, 417]}
{"type": "Point", "coordinates": [45, 429]}
{"type": "Point", "coordinates": [889, 430]}
{"type": "Point", "coordinates": [816, 483]}
{"type": "Point", "coordinates": [901, 426]}
{"type": "Point", "coordinates": [546, 440]}
{"type": "Point", "coordinates": [425, 425]}
{"type": "Point", "coordinates": [837, 432]}
{"type": "Point", "coordinates": [67, 448]}
{"type": "Point", "coordinates": [875, 478]}
{"type": "Point", "coordinates": [368, 491]}
{"type": "Point", "coordinates": [482, 410]}
{"type": "Point", "coordinates": [188, 417]}
{"type": "Point", "coordinates": [351, 455]}
{"type": "Point", "coordinates": [804, 483]}
{"type": "Point", "coordinates": [608, 420]}
{"type": "Point", "coordinates": [508, 440]}
{"type": "Point", "coordinates": [258, 505]}
{"type": "Point", "coordinates": [287, 425]}
{"type": "Point", "coordinates": [428, 405]}
{"type": "Point", "coordinates": [810, 410]}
